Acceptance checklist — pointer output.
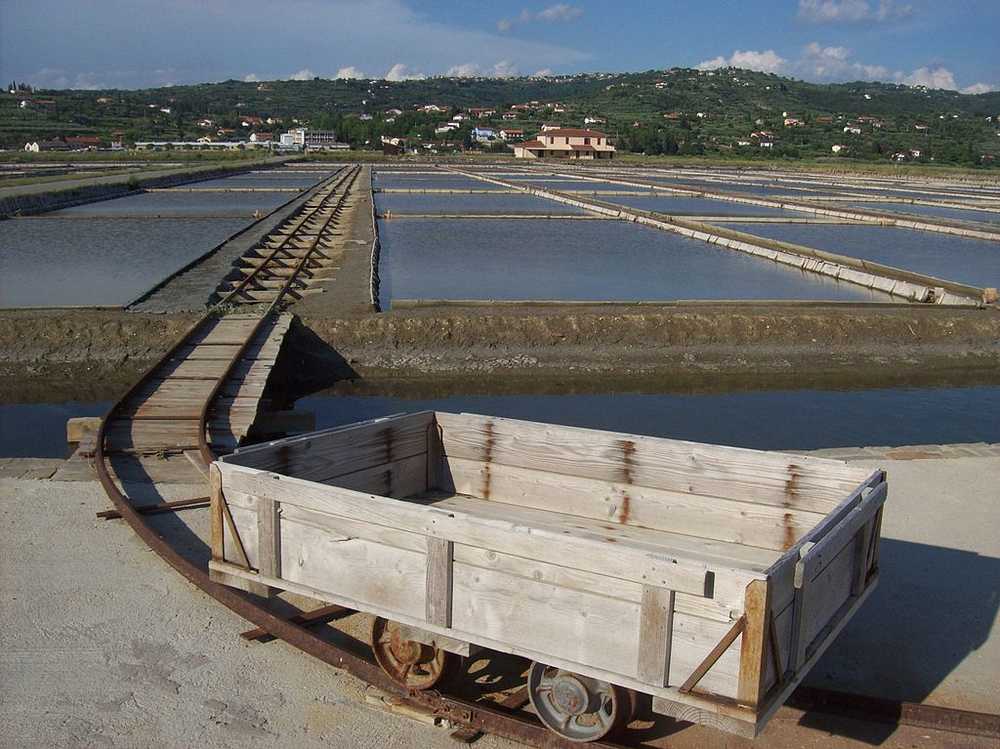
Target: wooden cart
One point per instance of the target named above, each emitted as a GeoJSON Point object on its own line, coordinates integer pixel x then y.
{"type": "Point", "coordinates": [711, 578]}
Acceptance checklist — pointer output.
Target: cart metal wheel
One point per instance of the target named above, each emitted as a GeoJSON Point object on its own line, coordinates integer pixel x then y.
{"type": "Point", "coordinates": [577, 707]}
{"type": "Point", "coordinates": [409, 663]}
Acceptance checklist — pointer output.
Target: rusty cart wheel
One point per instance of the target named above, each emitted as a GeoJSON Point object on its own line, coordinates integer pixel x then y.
{"type": "Point", "coordinates": [409, 663]}
{"type": "Point", "coordinates": [576, 707]}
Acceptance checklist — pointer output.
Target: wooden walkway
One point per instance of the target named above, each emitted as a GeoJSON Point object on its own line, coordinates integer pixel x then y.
{"type": "Point", "coordinates": [162, 415]}
{"type": "Point", "coordinates": [203, 397]}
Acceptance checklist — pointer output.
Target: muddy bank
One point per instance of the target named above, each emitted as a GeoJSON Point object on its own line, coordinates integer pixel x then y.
{"type": "Point", "coordinates": [96, 353]}
{"type": "Point", "coordinates": [782, 346]}
{"type": "Point", "coordinates": [668, 339]}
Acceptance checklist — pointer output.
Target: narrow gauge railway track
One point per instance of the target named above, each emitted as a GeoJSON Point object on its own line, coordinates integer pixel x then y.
{"type": "Point", "coordinates": [185, 408]}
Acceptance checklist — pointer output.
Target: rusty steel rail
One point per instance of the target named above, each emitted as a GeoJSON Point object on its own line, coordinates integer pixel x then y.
{"type": "Point", "coordinates": [470, 716]}
{"type": "Point", "coordinates": [345, 183]}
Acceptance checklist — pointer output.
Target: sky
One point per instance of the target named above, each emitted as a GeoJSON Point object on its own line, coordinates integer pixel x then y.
{"type": "Point", "coordinates": [91, 44]}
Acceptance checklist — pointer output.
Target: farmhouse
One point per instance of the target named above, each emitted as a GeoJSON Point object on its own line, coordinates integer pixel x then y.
{"type": "Point", "coordinates": [566, 143]}
{"type": "Point", "coordinates": [511, 133]}
{"type": "Point", "coordinates": [83, 142]}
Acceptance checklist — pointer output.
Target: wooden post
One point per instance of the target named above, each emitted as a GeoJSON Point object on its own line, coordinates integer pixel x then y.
{"type": "Point", "coordinates": [435, 456]}
{"type": "Point", "coordinates": [656, 625]}
{"type": "Point", "coordinates": [437, 605]}
{"type": "Point", "coordinates": [268, 539]}
{"type": "Point", "coordinates": [218, 539]}
{"type": "Point", "coordinates": [859, 573]}
{"type": "Point", "coordinates": [754, 644]}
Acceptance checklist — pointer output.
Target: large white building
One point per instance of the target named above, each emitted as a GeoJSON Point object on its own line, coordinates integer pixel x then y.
{"type": "Point", "coordinates": [306, 138]}
{"type": "Point", "coordinates": [566, 143]}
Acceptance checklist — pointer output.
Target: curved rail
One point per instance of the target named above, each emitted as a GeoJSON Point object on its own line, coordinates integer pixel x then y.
{"type": "Point", "coordinates": [474, 716]}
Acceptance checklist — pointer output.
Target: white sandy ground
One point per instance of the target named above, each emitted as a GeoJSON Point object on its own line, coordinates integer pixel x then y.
{"type": "Point", "coordinates": [104, 645]}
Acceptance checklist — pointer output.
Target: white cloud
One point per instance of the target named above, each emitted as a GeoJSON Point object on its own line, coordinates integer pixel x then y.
{"type": "Point", "coordinates": [349, 72]}
{"type": "Point", "coordinates": [937, 77]}
{"type": "Point", "coordinates": [505, 69]}
{"type": "Point", "coordinates": [502, 69]}
{"type": "Point", "coordinates": [251, 78]}
{"type": "Point", "coordinates": [835, 63]}
{"type": "Point", "coordinates": [544, 73]}
{"type": "Point", "coordinates": [400, 72]}
{"type": "Point", "coordinates": [767, 61]}
{"type": "Point", "coordinates": [980, 88]}
{"type": "Point", "coordinates": [852, 11]}
{"type": "Point", "coordinates": [465, 70]}
{"type": "Point", "coordinates": [302, 75]}
{"type": "Point", "coordinates": [558, 13]}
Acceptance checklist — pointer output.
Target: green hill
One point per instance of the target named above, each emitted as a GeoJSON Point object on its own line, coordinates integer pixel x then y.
{"type": "Point", "coordinates": [680, 111]}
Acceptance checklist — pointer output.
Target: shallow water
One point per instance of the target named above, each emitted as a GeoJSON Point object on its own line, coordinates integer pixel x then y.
{"type": "Point", "coordinates": [297, 182]}
{"type": "Point", "coordinates": [430, 182]}
{"type": "Point", "coordinates": [970, 261]}
{"type": "Point", "coordinates": [768, 420]}
{"type": "Point", "coordinates": [60, 262]}
{"type": "Point", "coordinates": [697, 206]}
{"type": "Point", "coordinates": [38, 430]}
{"type": "Point", "coordinates": [959, 214]}
{"type": "Point", "coordinates": [459, 203]}
{"type": "Point", "coordinates": [182, 204]}
{"type": "Point", "coordinates": [579, 260]}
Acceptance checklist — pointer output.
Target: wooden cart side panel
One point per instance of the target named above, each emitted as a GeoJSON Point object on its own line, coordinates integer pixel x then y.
{"type": "Point", "coordinates": [386, 577]}
{"type": "Point", "coordinates": [745, 475]}
{"type": "Point", "coordinates": [638, 562]}
{"type": "Point", "coordinates": [326, 457]}
{"type": "Point", "coordinates": [389, 569]}
{"type": "Point", "coordinates": [750, 524]}
{"type": "Point", "coordinates": [582, 580]}
{"type": "Point", "coordinates": [781, 576]}
{"type": "Point", "coordinates": [709, 703]}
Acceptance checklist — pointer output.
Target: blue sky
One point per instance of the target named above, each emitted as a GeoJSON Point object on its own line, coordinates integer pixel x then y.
{"type": "Point", "coordinates": [135, 43]}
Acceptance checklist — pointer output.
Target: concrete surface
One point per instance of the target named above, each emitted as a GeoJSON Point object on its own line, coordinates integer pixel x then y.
{"type": "Point", "coordinates": [931, 631]}
{"type": "Point", "coordinates": [106, 646]}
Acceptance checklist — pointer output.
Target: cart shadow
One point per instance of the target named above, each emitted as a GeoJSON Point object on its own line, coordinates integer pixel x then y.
{"type": "Point", "coordinates": [933, 608]}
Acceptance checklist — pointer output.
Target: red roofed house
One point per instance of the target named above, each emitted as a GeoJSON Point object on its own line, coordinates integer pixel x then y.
{"type": "Point", "coordinates": [566, 143]}
{"type": "Point", "coordinates": [82, 142]}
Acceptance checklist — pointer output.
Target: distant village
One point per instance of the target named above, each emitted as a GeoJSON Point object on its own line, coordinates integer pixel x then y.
{"type": "Point", "coordinates": [529, 130]}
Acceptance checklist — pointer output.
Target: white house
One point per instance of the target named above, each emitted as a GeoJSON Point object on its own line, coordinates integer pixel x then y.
{"type": "Point", "coordinates": [511, 133]}
{"type": "Point", "coordinates": [852, 129]}
{"type": "Point", "coordinates": [566, 143]}
{"type": "Point", "coordinates": [594, 121]}
{"type": "Point", "coordinates": [484, 134]}
{"type": "Point", "coordinates": [838, 148]}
